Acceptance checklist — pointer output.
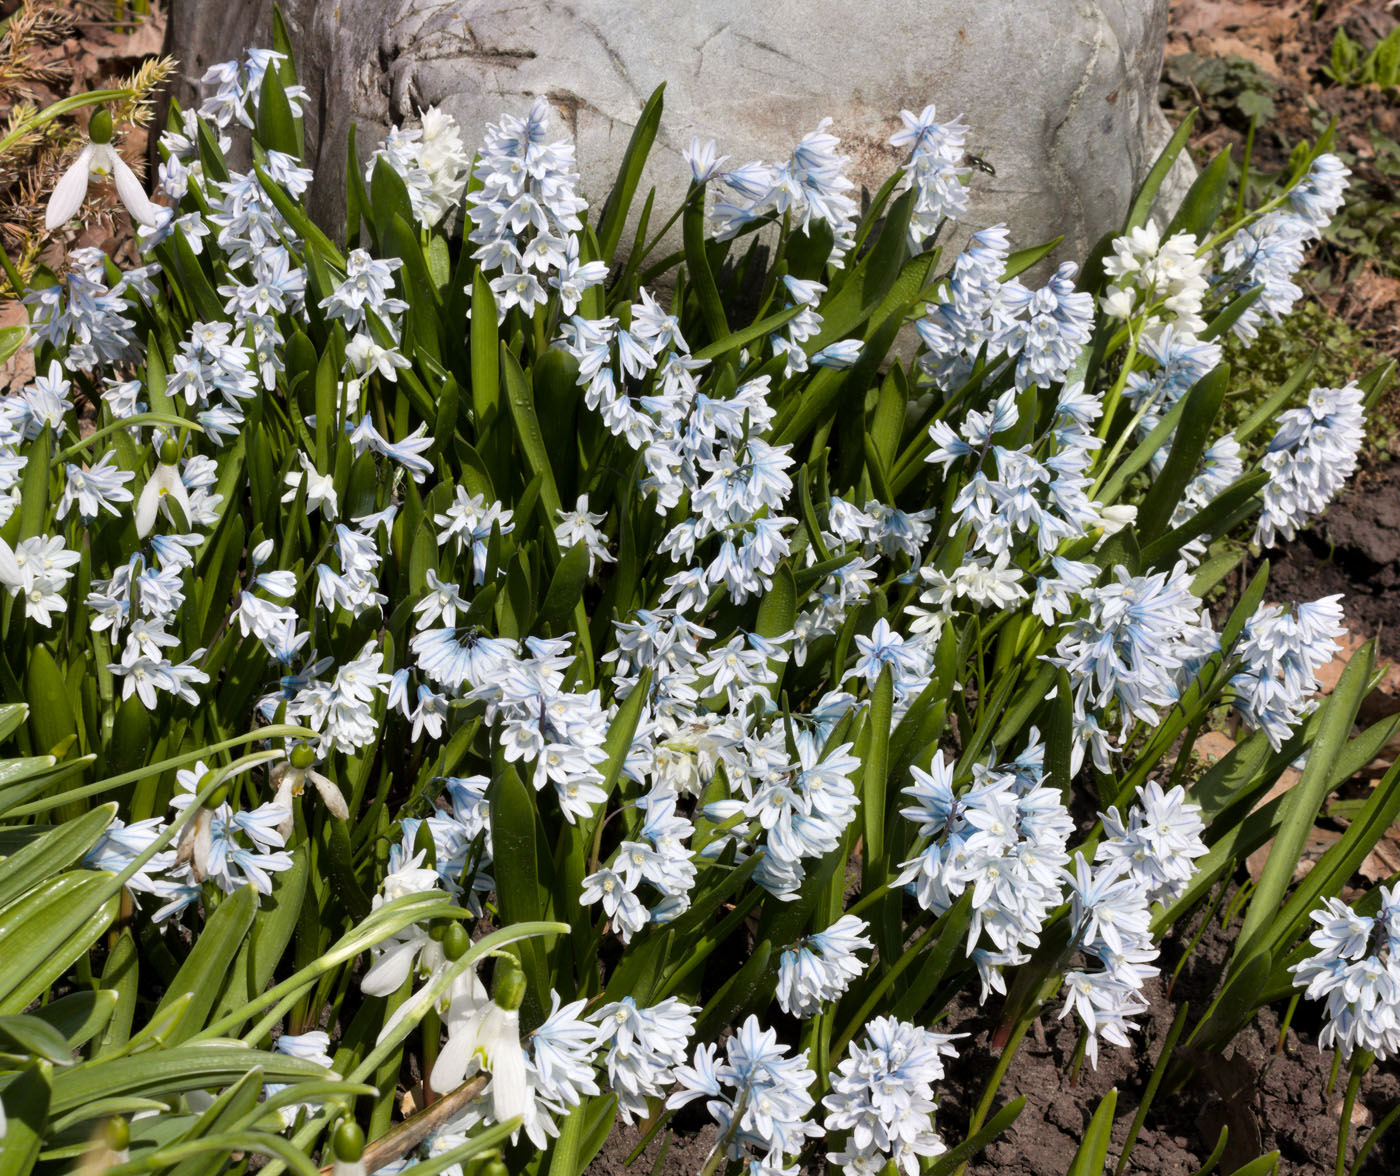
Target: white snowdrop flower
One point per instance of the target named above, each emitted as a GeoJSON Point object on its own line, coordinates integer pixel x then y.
{"type": "Point", "coordinates": [164, 482]}
{"type": "Point", "coordinates": [484, 1032]}
{"type": "Point", "coordinates": [99, 157]}
{"type": "Point", "coordinates": [290, 776]}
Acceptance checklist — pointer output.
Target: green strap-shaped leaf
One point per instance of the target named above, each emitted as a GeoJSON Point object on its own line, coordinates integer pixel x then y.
{"type": "Point", "coordinates": [120, 975]}
{"type": "Point", "coordinates": [565, 588]}
{"type": "Point", "coordinates": [1193, 434]}
{"type": "Point", "coordinates": [955, 1157]}
{"type": "Point", "coordinates": [870, 280]}
{"type": "Point", "coordinates": [629, 175]}
{"type": "Point", "coordinates": [46, 930]}
{"type": "Point", "coordinates": [27, 1103]}
{"type": "Point", "coordinates": [1089, 1160]}
{"type": "Point", "coordinates": [1231, 507]}
{"type": "Point", "coordinates": [887, 425]}
{"type": "Point", "coordinates": [514, 818]}
{"type": "Point", "coordinates": [1141, 207]}
{"type": "Point", "coordinates": [195, 1066]}
{"type": "Point", "coordinates": [388, 198]}
{"type": "Point", "coordinates": [276, 128]}
{"type": "Point", "coordinates": [34, 486]}
{"type": "Point", "coordinates": [203, 973]}
{"type": "Point", "coordinates": [79, 1016]}
{"type": "Point", "coordinates": [52, 723]}
{"type": "Point", "coordinates": [527, 428]}
{"type": "Point", "coordinates": [30, 1035]}
{"type": "Point", "coordinates": [1203, 201]}
{"type": "Point", "coordinates": [11, 340]}
{"type": "Point", "coordinates": [53, 851]}
{"type": "Point", "coordinates": [950, 945]}
{"type": "Point", "coordinates": [485, 354]}
{"type": "Point", "coordinates": [1302, 803]}
{"type": "Point", "coordinates": [702, 279]}
{"type": "Point", "coordinates": [873, 779]}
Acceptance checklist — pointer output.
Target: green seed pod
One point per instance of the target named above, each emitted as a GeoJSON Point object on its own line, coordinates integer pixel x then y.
{"type": "Point", "coordinates": [169, 452]}
{"type": "Point", "coordinates": [302, 757]}
{"type": "Point", "coordinates": [100, 126]}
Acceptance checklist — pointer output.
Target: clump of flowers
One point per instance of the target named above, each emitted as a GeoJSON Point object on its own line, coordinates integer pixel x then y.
{"type": "Point", "coordinates": [589, 688]}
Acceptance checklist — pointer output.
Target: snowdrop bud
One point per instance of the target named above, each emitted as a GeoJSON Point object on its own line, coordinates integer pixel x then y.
{"type": "Point", "coordinates": [510, 984]}
{"type": "Point", "coordinates": [349, 1149]}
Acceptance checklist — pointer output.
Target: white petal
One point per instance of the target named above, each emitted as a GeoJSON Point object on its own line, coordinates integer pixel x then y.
{"type": "Point", "coordinates": [390, 970]}
{"type": "Point", "coordinates": [133, 195]}
{"type": "Point", "coordinates": [146, 507]}
{"type": "Point", "coordinates": [331, 795]}
{"type": "Point", "coordinates": [456, 1057]}
{"type": "Point", "coordinates": [169, 478]}
{"type": "Point", "coordinates": [10, 575]}
{"type": "Point", "coordinates": [70, 191]}
{"type": "Point", "coordinates": [509, 1092]}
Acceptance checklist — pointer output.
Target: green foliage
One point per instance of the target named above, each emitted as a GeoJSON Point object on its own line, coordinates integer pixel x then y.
{"type": "Point", "coordinates": [1348, 65]}
{"type": "Point", "coordinates": [1236, 89]}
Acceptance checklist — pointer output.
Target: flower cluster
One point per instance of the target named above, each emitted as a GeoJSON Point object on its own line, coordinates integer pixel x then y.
{"type": "Point", "coordinates": [1268, 252]}
{"type": "Point", "coordinates": [1282, 651]}
{"type": "Point", "coordinates": [1356, 971]}
{"type": "Point", "coordinates": [1149, 858]}
{"type": "Point", "coordinates": [1311, 456]}
{"type": "Point", "coordinates": [882, 1095]}
{"type": "Point", "coordinates": [433, 162]}
{"type": "Point", "coordinates": [758, 1096]}
{"type": "Point", "coordinates": [811, 188]}
{"type": "Point", "coordinates": [525, 215]}
{"type": "Point", "coordinates": [1005, 839]}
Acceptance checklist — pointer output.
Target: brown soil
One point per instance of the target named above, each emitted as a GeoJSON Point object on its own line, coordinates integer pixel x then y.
{"type": "Point", "coordinates": [1355, 550]}
{"type": "Point", "coordinates": [1269, 1100]}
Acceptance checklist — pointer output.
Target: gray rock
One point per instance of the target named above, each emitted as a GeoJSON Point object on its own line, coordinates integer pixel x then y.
{"type": "Point", "coordinates": [1060, 94]}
